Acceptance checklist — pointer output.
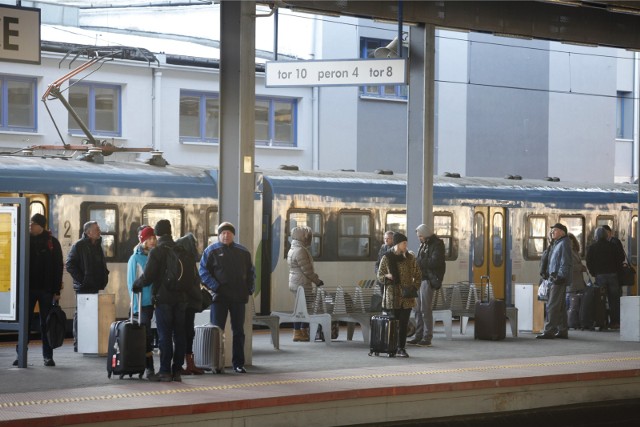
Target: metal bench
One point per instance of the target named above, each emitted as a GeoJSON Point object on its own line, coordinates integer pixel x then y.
{"type": "Point", "coordinates": [301, 314]}
{"type": "Point", "coordinates": [270, 321]}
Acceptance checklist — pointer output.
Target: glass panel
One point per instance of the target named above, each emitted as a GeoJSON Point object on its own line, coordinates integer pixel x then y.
{"type": "Point", "coordinates": [190, 116]}
{"type": "Point", "coordinates": [2, 124]}
{"type": "Point", "coordinates": [396, 221]}
{"type": "Point", "coordinates": [106, 109]}
{"type": "Point", "coordinates": [478, 239]}
{"type": "Point", "coordinates": [212, 226]}
{"type": "Point", "coordinates": [283, 119]}
{"type": "Point", "coordinates": [109, 245]}
{"type": "Point", "coordinates": [20, 96]}
{"type": "Point", "coordinates": [575, 226]}
{"type": "Point", "coordinates": [212, 120]}
{"type": "Point", "coordinates": [79, 100]}
{"type": "Point", "coordinates": [497, 239]}
{"type": "Point", "coordinates": [307, 219]}
{"type": "Point", "coordinates": [389, 90]}
{"type": "Point", "coordinates": [443, 227]}
{"type": "Point", "coordinates": [106, 219]}
{"type": "Point", "coordinates": [152, 215]}
{"type": "Point", "coordinates": [537, 236]}
{"type": "Point", "coordinates": [36, 207]}
{"type": "Point", "coordinates": [262, 120]}
{"type": "Point", "coordinates": [354, 235]}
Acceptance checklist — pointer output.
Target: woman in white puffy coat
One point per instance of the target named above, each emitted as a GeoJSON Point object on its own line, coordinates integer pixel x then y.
{"type": "Point", "coordinates": [301, 273]}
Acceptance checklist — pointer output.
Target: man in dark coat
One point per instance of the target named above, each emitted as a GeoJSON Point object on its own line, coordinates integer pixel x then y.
{"type": "Point", "coordinates": [226, 269]}
{"type": "Point", "coordinates": [87, 266]}
{"type": "Point", "coordinates": [170, 304]}
{"type": "Point", "coordinates": [45, 278]}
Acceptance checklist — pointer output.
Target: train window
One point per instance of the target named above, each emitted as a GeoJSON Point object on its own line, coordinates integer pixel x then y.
{"type": "Point", "coordinates": [575, 225]}
{"type": "Point", "coordinates": [151, 215]}
{"type": "Point", "coordinates": [396, 221]}
{"type": "Point", "coordinates": [36, 207]}
{"type": "Point", "coordinates": [634, 241]}
{"type": "Point", "coordinates": [606, 220]}
{"type": "Point", "coordinates": [212, 226]}
{"type": "Point", "coordinates": [106, 217]}
{"type": "Point", "coordinates": [497, 239]}
{"type": "Point", "coordinates": [312, 219]}
{"type": "Point", "coordinates": [443, 227]}
{"type": "Point", "coordinates": [478, 239]}
{"type": "Point", "coordinates": [536, 236]}
{"type": "Point", "coordinates": [354, 235]}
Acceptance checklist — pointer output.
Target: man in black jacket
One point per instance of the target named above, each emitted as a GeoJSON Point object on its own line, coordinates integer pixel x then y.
{"type": "Point", "coordinates": [170, 304]}
{"type": "Point", "coordinates": [45, 278]}
{"type": "Point", "coordinates": [431, 260]}
{"type": "Point", "coordinates": [87, 266]}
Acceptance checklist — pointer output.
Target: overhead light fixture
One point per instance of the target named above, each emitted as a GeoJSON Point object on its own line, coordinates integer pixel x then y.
{"type": "Point", "coordinates": [579, 44]}
{"type": "Point", "coordinates": [314, 12]}
{"type": "Point", "coordinates": [627, 10]}
{"type": "Point", "coordinates": [513, 36]}
{"type": "Point", "coordinates": [566, 2]}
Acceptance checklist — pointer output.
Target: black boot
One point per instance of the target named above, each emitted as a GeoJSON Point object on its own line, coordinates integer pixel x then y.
{"type": "Point", "coordinates": [149, 364]}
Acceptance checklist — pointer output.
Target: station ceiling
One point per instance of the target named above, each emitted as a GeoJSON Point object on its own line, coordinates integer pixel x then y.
{"type": "Point", "coordinates": [605, 23]}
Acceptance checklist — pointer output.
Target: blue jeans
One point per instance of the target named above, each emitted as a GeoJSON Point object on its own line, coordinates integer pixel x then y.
{"type": "Point", "coordinates": [236, 310]}
{"type": "Point", "coordinates": [171, 337]}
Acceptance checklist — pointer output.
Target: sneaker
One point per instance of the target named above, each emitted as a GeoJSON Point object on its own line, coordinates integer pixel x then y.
{"type": "Point", "coordinates": [240, 370]}
{"type": "Point", "coordinates": [49, 362]}
{"type": "Point", "coordinates": [161, 377]}
{"type": "Point", "coordinates": [424, 343]}
{"type": "Point", "coordinates": [414, 341]}
{"type": "Point", "coordinates": [401, 353]}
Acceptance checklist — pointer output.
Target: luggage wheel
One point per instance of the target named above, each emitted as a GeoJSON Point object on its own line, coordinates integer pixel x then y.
{"type": "Point", "coordinates": [121, 376]}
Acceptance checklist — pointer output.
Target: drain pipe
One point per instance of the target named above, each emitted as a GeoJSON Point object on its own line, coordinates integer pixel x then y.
{"type": "Point", "coordinates": [315, 101]}
{"type": "Point", "coordinates": [156, 108]}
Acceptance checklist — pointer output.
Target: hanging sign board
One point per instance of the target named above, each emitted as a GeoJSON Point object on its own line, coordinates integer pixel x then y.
{"type": "Point", "coordinates": [19, 34]}
{"type": "Point", "coordinates": [8, 261]}
{"type": "Point", "coordinates": [350, 72]}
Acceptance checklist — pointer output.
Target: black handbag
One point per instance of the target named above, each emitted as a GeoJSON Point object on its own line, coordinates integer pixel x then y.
{"type": "Point", "coordinates": [56, 326]}
{"type": "Point", "coordinates": [627, 276]}
{"type": "Point", "coordinates": [434, 282]}
{"type": "Point", "coordinates": [409, 292]}
{"type": "Point", "coordinates": [207, 299]}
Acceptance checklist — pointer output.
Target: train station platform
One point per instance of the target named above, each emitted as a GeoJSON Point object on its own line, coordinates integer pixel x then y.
{"type": "Point", "coordinates": [311, 384]}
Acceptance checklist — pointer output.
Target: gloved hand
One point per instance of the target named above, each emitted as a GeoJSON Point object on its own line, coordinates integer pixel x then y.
{"type": "Point", "coordinates": [320, 283]}
{"type": "Point", "coordinates": [137, 286]}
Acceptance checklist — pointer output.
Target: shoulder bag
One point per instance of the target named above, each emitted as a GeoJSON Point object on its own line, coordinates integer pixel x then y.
{"type": "Point", "coordinates": [627, 275]}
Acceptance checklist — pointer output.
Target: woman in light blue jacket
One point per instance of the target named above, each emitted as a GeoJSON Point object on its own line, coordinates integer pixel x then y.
{"type": "Point", "coordinates": [135, 267]}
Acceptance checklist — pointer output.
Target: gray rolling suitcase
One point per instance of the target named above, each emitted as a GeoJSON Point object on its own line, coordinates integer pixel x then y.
{"type": "Point", "coordinates": [208, 348]}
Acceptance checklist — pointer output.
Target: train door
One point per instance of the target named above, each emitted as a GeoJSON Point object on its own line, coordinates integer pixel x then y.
{"type": "Point", "coordinates": [489, 247]}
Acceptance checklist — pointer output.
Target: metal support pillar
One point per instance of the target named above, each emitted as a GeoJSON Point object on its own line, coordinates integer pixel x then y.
{"type": "Point", "coordinates": [420, 130]}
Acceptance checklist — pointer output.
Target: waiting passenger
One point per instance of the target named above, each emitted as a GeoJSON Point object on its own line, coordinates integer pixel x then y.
{"type": "Point", "coordinates": [226, 269]}
{"type": "Point", "coordinates": [388, 244]}
{"type": "Point", "coordinates": [88, 268]}
{"type": "Point", "coordinates": [431, 261]}
{"type": "Point", "coordinates": [189, 247]}
{"type": "Point", "coordinates": [301, 273]}
{"type": "Point", "coordinates": [559, 271]}
{"type": "Point", "coordinates": [169, 301]}
{"type": "Point", "coordinates": [135, 268]}
{"type": "Point", "coordinates": [45, 278]}
{"type": "Point", "coordinates": [400, 272]}
{"type": "Point", "coordinates": [577, 282]}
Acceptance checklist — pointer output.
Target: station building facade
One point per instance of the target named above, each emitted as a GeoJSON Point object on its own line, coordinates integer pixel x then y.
{"type": "Point", "coordinates": [504, 106]}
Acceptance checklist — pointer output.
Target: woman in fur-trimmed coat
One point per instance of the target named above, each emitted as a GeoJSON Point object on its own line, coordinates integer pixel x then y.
{"type": "Point", "coordinates": [398, 270]}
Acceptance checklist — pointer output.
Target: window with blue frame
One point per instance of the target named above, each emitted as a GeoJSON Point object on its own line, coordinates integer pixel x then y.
{"type": "Point", "coordinates": [17, 103]}
{"type": "Point", "coordinates": [275, 119]}
{"type": "Point", "coordinates": [98, 106]}
{"type": "Point", "coordinates": [367, 47]}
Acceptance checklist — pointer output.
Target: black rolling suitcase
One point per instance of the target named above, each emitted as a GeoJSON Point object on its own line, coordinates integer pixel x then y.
{"type": "Point", "coordinates": [573, 314]}
{"type": "Point", "coordinates": [385, 329]}
{"type": "Point", "coordinates": [127, 346]}
{"type": "Point", "coordinates": [490, 320]}
{"type": "Point", "coordinates": [208, 348]}
{"type": "Point", "coordinates": [593, 309]}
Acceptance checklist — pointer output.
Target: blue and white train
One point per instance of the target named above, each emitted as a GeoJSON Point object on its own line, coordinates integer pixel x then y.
{"type": "Point", "coordinates": [490, 226]}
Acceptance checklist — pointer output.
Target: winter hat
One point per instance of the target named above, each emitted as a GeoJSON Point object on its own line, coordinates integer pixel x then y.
{"type": "Point", "coordinates": [423, 230]}
{"type": "Point", "coordinates": [226, 226]}
{"type": "Point", "coordinates": [163, 227]}
{"type": "Point", "coordinates": [560, 227]}
{"type": "Point", "coordinates": [145, 233]}
{"type": "Point", "coordinates": [398, 238]}
{"type": "Point", "coordinates": [39, 219]}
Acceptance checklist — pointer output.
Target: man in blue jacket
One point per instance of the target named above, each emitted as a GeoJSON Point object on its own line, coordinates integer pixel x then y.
{"type": "Point", "coordinates": [559, 272]}
{"type": "Point", "coordinates": [226, 269]}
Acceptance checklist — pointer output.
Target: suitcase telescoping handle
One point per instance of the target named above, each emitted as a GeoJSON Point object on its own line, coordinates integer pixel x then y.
{"type": "Point", "coordinates": [139, 307]}
{"type": "Point", "coordinates": [484, 282]}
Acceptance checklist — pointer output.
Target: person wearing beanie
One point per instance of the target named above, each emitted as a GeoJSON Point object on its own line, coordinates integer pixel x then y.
{"type": "Point", "coordinates": [227, 271]}
{"type": "Point", "coordinates": [431, 260]}
{"type": "Point", "coordinates": [135, 267]}
{"type": "Point", "coordinates": [170, 303]}
{"type": "Point", "coordinates": [87, 266]}
{"type": "Point", "coordinates": [45, 278]}
{"type": "Point", "coordinates": [398, 270]}
{"type": "Point", "coordinates": [559, 270]}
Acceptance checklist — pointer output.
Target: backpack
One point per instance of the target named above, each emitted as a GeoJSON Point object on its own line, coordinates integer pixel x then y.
{"type": "Point", "coordinates": [180, 273]}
